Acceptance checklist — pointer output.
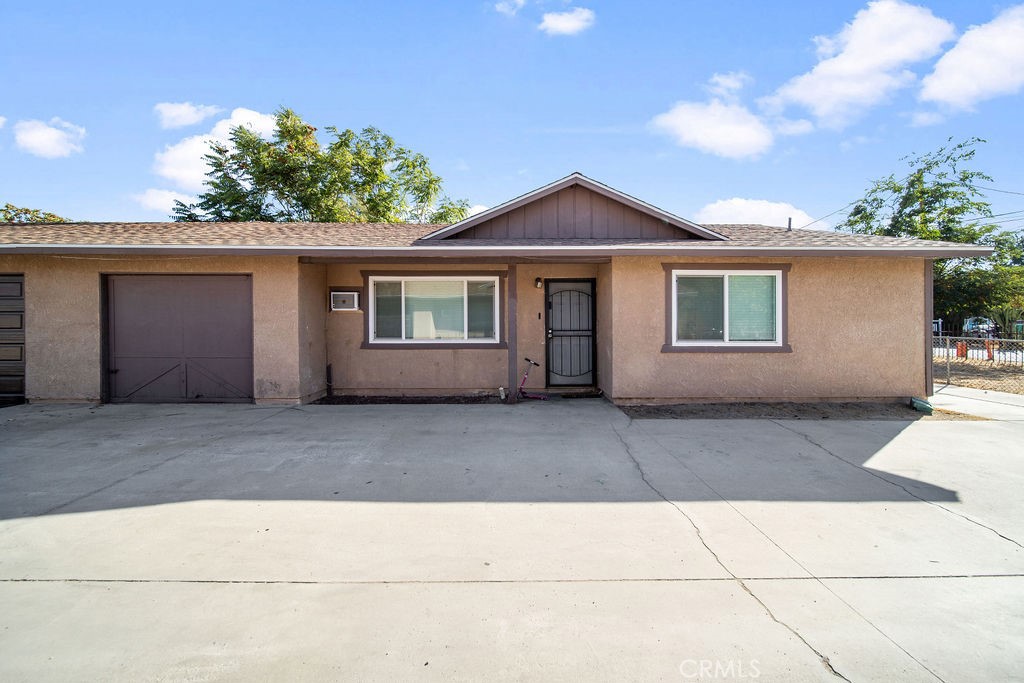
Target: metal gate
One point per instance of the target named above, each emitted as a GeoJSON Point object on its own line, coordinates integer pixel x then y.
{"type": "Point", "coordinates": [12, 339]}
{"type": "Point", "coordinates": [570, 332]}
{"type": "Point", "coordinates": [179, 338]}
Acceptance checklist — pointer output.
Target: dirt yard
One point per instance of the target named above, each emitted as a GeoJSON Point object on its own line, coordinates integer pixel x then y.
{"type": "Point", "coordinates": [980, 374]}
{"type": "Point", "coordinates": [787, 411]}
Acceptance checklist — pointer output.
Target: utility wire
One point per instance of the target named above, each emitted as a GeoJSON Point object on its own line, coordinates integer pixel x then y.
{"type": "Point", "coordinates": [994, 215]}
{"type": "Point", "coordinates": [855, 201]}
{"type": "Point", "coordinates": [995, 189]}
{"type": "Point", "coordinates": [907, 177]}
{"type": "Point", "coordinates": [818, 220]}
{"type": "Point", "coordinates": [1006, 221]}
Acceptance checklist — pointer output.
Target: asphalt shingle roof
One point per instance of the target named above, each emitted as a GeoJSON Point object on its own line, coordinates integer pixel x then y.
{"type": "Point", "coordinates": [217, 234]}
{"type": "Point", "coordinates": [374, 235]}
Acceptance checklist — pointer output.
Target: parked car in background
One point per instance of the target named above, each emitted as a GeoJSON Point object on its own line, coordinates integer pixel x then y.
{"type": "Point", "coordinates": [979, 327]}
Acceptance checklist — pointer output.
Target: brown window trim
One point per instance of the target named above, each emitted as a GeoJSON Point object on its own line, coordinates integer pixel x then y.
{"type": "Point", "coordinates": [502, 275]}
{"type": "Point", "coordinates": [669, 347]}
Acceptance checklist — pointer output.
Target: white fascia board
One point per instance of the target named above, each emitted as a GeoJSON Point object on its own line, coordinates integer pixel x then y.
{"type": "Point", "coordinates": [967, 251]}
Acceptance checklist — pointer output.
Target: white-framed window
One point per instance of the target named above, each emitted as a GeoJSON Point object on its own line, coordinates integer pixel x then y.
{"type": "Point", "coordinates": [435, 310]}
{"type": "Point", "coordinates": [727, 308]}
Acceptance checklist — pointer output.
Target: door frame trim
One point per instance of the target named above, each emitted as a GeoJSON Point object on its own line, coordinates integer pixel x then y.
{"type": "Point", "coordinates": [593, 332]}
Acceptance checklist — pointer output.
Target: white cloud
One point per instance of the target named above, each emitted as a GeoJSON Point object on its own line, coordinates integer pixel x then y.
{"type": "Point", "coordinates": [919, 119]}
{"type": "Point", "coordinates": [179, 114]}
{"type": "Point", "coordinates": [475, 209]}
{"type": "Point", "coordinates": [854, 142]}
{"type": "Point", "coordinates": [509, 7]}
{"type": "Point", "coordinates": [986, 62]}
{"type": "Point", "coordinates": [757, 211]}
{"type": "Point", "coordinates": [792, 126]}
{"type": "Point", "coordinates": [3, 120]}
{"type": "Point", "coordinates": [726, 86]}
{"type": "Point", "coordinates": [161, 200]}
{"type": "Point", "coordinates": [715, 127]}
{"type": "Point", "coordinates": [865, 62]}
{"type": "Point", "coordinates": [567, 23]}
{"type": "Point", "coordinates": [52, 140]}
{"type": "Point", "coordinates": [183, 163]}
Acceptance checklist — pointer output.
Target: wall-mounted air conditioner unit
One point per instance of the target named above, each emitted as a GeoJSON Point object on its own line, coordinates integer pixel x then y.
{"type": "Point", "coordinates": [344, 301]}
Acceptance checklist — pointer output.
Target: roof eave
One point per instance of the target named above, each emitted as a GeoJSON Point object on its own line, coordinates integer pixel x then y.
{"type": "Point", "coordinates": [454, 252]}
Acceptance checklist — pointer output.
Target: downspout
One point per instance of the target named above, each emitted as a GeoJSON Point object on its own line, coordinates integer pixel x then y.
{"type": "Point", "coordinates": [511, 333]}
{"type": "Point", "coordinates": [929, 314]}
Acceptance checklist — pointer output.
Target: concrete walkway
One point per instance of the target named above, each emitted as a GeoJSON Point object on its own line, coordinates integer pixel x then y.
{"type": "Point", "coordinates": [993, 405]}
{"type": "Point", "coordinates": [557, 541]}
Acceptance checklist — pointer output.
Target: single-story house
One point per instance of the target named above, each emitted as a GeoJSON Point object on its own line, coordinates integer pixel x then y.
{"type": "Point", "coordinates": [606, 291]}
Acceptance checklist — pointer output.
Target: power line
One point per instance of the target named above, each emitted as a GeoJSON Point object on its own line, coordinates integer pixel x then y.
{"type": "Point", "coordinates": [1007, 213]}
{"type": "Point", "coordinates": [855, 201]}
{"type": "Point", "coordinates": [818, 220]}
{"type": "Point", "coordinates": [994, 215]}
{"type": "Point", "coordinates": [995, 189]}
{"type": "Point", "coordinates": [907, 177]}
{"type": "Point", "coordinates": [1007, 220]}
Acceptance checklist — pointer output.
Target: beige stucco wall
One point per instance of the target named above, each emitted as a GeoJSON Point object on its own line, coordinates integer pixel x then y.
{"type": "Point", "coordinates": [532, 335]}
{"type": "Point", "coordinates": [606, 329]}
{"type": "Point", "coordinates": [406, 371]}
{"type": "Point", "coordinates": [856, 328]}
{"type": "Point", "coordinates": [312, 308]}
{"type": "Point", "coordinates": [63, 320]}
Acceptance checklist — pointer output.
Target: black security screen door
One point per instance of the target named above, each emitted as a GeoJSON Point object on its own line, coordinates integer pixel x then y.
{"type": "Point", "coordinates": [570, 331]}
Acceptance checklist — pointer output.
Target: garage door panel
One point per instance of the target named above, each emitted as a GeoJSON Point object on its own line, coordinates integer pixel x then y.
{"type": "Point", "coordinates": [12, 338]}
{"type": "Point", "coordinates": [147, 379]}
{"type": "Point", "coordinates": [152, 315]}
{"type": "Point", "coordinates": [180, 338]}
{"type": "Point", "coordinates": [230, 380]}
{"type": "Point", "coordinates": [222, 327]}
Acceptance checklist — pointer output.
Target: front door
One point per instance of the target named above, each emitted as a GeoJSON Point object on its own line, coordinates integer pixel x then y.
{"type": "Point", "coordinates": [570, 331]}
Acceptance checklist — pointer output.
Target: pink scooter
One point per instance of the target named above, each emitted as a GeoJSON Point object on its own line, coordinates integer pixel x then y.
{"type": "Point", "coordinates": [523, 394]}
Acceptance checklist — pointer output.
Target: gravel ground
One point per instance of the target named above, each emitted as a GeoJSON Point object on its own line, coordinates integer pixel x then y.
{"type": "Point", "coordinates": [409, 400]}
{"type": "Point", "coordinates": [787, 411]}
{"type": "Point", "coordinates": [698, 411]}
{"type": "Point", "coordinates": [981, 375]}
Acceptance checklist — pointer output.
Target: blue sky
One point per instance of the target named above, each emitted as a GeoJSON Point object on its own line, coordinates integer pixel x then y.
{"type": "Point", "coordinates": [744, 111]}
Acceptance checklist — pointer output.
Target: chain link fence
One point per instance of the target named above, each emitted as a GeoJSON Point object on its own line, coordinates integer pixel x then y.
{"type": "Point", "coordinates": [979, 363]}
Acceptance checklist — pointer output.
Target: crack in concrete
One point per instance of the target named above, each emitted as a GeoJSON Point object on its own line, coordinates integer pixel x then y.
{"type": "Point", "coordinates": [152, 467]}
{"type": "Point", "coordinates": [445, 582]}
{"type": "Point", "coordinates": [910, 493]}
{"type": "Point", "coordinates": [643, 476]}
{"type": "Point", "coordinates": [810, 575]}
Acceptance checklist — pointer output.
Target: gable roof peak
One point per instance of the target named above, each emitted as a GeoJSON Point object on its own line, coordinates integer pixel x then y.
{"type": "Point", "coordinates": [582, 180]}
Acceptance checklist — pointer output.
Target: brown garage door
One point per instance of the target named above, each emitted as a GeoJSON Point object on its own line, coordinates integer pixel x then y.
{"type": "Point", "coordinates": [12, 339]}
{"type": "Point", "coordinates": [179, 338]}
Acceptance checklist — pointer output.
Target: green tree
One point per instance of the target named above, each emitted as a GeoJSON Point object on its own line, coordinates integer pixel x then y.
{"type": "Point", "coordinates": [965, 292]}
{"type": "Point", "coordinates": [1006, 317]}
{"type": "Point", "coordinates": [940, 199]}
{"type": "Point", "coordinates": [18, 214]}
{"type": "Point", "coordinates": [356, 177]}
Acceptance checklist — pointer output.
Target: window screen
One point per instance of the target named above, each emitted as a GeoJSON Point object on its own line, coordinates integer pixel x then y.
{"type": "Point", "coordinates": [699, 307]}
{"type": "Point", "coordinates": [751, 308]}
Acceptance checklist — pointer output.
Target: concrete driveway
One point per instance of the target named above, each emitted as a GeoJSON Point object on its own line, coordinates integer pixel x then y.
{"type": "Point", "coordinates": [539, 541]}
